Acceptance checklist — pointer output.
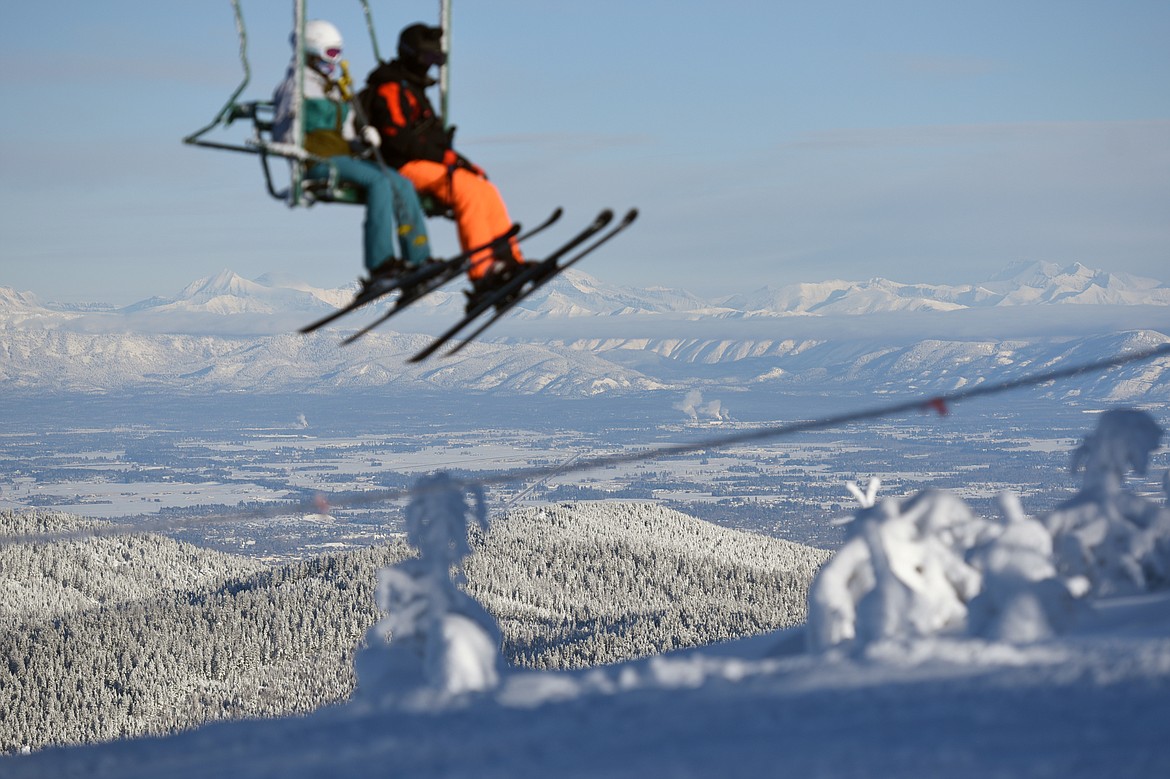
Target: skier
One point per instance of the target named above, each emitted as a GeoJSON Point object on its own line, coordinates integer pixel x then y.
{"type": "Point", "coordinates": [393, 212]}
{"type": "Point", "coordinates": [414, 140]}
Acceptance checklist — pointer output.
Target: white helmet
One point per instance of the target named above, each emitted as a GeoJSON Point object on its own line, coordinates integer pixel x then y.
{"type": "Point", "coordinates": [323, 41]}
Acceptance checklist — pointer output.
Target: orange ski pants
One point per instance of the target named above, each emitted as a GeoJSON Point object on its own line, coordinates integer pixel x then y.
{"type": "Point", "coordinates": [480, 213]}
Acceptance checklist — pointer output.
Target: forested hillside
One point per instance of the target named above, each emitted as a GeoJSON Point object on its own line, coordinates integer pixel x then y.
{"type": "Point", "coordinates": [41, 583]}
{"type": "Point", "coordinates": [582, 584]}
{"type": "Point", "coordinates": [126, 647]}
{"type": "Point", "coordinates": [117, 643]}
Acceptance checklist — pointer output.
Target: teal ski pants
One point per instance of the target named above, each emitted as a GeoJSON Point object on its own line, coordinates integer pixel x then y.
{"type": "Point", "coordinates": [395, 224]}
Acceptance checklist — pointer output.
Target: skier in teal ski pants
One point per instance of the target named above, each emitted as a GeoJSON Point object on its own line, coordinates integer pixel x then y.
{"type": "Point", "coordinates": [394, 233]}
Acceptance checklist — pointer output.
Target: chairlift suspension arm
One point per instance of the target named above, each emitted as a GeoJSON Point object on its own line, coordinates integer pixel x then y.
{"type": "Point", "coordinates": [445, 68]}
{"type": "Point", "coordinates": [226, 114]}
{"type": "Point", "coordinates": [296, 194]}
{"type": "Point", "coordinates": [370, 27]}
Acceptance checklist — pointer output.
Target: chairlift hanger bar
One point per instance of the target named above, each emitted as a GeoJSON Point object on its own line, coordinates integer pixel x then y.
{"type": "Point", "coordinates": [227, 113]}
{"type": "Point", "coordinates": [445, 68]}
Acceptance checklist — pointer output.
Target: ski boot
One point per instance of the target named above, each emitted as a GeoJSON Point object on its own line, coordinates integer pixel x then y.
{"type": "Point", "coordinates": [411, 291]}
{"type": "Point", "coordinates": [501, 272]}
{"type": "Point", "coordinates": [388, 271]}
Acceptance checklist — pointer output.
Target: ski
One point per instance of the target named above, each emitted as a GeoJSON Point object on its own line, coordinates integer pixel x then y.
{"type": "Point", "coordinates": [410, 294]}
{"type": "Point", "coordinates": [543, 275]}
{"type": "Point", "coordinates": [363, 297]}
{"type": "Point", "coordinates": [418, 285]}
{"type": "Point", "coordinates": [451, 267]}
{"type": "Point", "coordinates": [381, 287]}
{"type": "Point", "coordinates": [530, 272]}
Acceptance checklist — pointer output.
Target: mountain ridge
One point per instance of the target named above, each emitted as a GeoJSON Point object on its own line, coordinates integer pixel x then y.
{"type": "Point", "coordinates": [576, 293]}
{"type": "Point", "coordinates": [227, 334]}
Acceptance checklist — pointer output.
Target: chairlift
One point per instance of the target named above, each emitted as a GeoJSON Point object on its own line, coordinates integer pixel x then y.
{"type": "Point", "coordinates": [301, 190]}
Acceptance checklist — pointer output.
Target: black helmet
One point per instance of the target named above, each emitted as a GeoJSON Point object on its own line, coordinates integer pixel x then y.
{"type": "Point", "coordinates": [420, 47]}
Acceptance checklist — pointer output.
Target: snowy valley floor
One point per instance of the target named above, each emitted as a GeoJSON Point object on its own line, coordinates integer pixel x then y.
{"type": "Point", "coordinates": [1095, 703]}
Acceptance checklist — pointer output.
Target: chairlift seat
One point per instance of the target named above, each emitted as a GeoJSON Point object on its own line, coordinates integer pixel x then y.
{"type": "Point", "coordinates": [318, 190]}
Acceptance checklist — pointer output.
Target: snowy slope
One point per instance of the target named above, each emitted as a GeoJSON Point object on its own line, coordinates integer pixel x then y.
{"type": "Point", "coordinates": [57, 359]}
{"type": "Point", "coordinates": [23, 309]}
{"type": "Point", "coordinates": [64, 361]}
{"type": "Point", "coordinates": [1075, 685]}
{"type": "Point", "coordinates": [1090, 705]}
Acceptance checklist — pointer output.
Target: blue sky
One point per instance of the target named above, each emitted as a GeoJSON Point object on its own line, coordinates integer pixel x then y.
{"type": "Point", "coordinates": [764, 142]}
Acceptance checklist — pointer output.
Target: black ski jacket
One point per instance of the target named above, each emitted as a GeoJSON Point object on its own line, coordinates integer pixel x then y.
{"type": "Point", "coordinates": [395, 102]}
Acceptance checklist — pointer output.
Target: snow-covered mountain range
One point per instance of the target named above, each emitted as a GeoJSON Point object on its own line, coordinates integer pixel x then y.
{"type": "Point", "coordinates": [1018, 285]}
{"type": "Point", "coordinates": [227, 333]}
{"type": "Point", "coordinates": [579, 294]}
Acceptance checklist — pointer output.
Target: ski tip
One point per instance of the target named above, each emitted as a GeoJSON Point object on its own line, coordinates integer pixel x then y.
{"type": "Point", "coordinates": [630, 216]}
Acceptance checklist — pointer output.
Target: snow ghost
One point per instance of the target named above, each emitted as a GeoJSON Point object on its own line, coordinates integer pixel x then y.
{"type": "Point", "coordinates": [1022, 598]}
{"type": "Point", "coordinates": [434, 638]}
{"type": "Point", "coordinates": [929, 566]}
{"type": "Point", "coordinates": [900, 574]}
{"type": "Point", "coordinates": [1123, 441]}
{"type": "Point", "coordinates": [1116, 539]}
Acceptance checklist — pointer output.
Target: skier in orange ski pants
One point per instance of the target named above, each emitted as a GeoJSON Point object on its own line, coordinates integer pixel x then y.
{"type": "Point", "coordinates": [416, 143]}
{"type": "Point", "coordinates": [480, 213]}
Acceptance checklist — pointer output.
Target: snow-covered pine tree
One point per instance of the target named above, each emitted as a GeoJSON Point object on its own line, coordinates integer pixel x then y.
{"type": "Point", "coordinates": [1115, 538]}
{"type": "Point", "coordinates": [928, 565]}
{"type": "Point", "coordinates": [434, 640]}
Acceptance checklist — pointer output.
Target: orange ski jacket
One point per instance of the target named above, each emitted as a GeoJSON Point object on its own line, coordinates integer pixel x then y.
{"type": "Point", "coordinates": [396, 104]}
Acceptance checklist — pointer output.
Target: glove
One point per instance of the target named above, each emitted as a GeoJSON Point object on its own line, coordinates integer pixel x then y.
{"type": "Point", "coordinates": [372, 137]}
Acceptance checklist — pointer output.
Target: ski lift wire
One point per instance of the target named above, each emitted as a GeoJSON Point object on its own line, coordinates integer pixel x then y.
{"type": "Point", "coordinates": [316, 505]}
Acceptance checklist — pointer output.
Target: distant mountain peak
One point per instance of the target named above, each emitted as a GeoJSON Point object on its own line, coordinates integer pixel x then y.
{"type": "Point", "coordinates": [226, 282]}
{"type": "Point", "coordinates": [12, 300]}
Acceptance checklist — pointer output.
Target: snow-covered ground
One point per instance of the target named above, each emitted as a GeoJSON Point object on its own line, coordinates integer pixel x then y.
{"type": "Point", "coordinates": [1094, 703]}
{"type": "Point", "coordinates": [939, 643]}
